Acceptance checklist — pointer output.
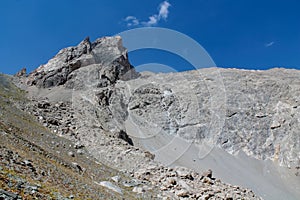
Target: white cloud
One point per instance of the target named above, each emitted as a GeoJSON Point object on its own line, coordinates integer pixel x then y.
{"type": "Point", "coordinates": [153, 20]}
{"type": "Point", "coordinates": [163, 12]}
{"type": "Point", "coordinates": [132, 21]}
{"type": "Point", "coordinates": [270, 44]}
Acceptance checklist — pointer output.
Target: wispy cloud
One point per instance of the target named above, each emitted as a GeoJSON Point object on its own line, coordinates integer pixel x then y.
{"type": "Point", "coordinates": [132, 21]}
{"type": "Point", "coordinates": [153, 20]}
{"type": "Point", "coordinates": [163, 12]}
{"type": "Point", "coordinates": [269, 44]}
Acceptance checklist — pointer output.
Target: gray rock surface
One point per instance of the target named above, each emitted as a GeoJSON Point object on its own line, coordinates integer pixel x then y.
{"type": "Point", "coordinates": [111, 186]}
{"type": "Point", "coordinates": [260, 113]}
{"type": "Point", "coordinates": [107, 54]}
{"type": "Point", "coordinates": [164, 116]}
{"type": "Point", "coordinates": [34, 162]}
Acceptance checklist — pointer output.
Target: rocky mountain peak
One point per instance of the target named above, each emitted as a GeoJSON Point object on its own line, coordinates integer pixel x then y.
{"type": "Point", "coordinates": [241, 124]}
{"type": "Point", "coordinates": [105, 53]}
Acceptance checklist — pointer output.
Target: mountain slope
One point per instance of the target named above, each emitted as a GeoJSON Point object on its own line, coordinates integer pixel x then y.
{"type": "Point", "coordinates": [36, 164]}
{"type": "Point", "coordinates": [162, 132]}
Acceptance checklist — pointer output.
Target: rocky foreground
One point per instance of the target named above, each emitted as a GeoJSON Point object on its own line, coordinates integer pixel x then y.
{"type": "Point", "coordinates": [91, 127]}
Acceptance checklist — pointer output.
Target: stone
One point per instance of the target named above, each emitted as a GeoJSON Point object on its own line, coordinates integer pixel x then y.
{"type": "Point", "coordinates": [131, 183]}
{"type": "Point", "coordinates": [80, 151]}
{"type": "Point", "coordinates": [21, 73]}
{"type": "Point", "coordinates": [78, 145]}
{"type": "Point", "coordinates": [116, 179]}
{"type": "Point", "coordinates": [163, 188]}
{"type": "Point", "coordinates": [53, 121]}
{"type": "Point", "coordinates": [149, 155]}
{"type": "Point", "coordinates": [207, 180]}
{"type": "Point", "coordinates": [111, 186]}
{"type": "Point", "coordinates": [77, 166]}
{"type": "Point", "coordinates": [171, 182]}
{"type": "Point", "coordinates": [28, 162]}
{"type": "Point", "coordinates": [184, 185]}
{"type": "Point", "coordinates": [206, 196]}
{"type": "Point", "coordinates": [208, 173]}
{"type": "Point", "coordinates": [182, 193]}
{"type": "Point", "coordinates": [31, 189]}
{"type": "Point", "coordinates": [275, 125]}
{"type": "Point", "coordinates": [43, 105]}
{"type": "Point", "coordinates": [138, 190]}
{"type": "Point", "coordinates": [70, 153]}
{"type": "Point", "coordinates": [184, 173]}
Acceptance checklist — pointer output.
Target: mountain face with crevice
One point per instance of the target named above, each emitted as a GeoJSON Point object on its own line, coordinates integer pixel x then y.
{"type": "Point", "coordinates": [164, 132]}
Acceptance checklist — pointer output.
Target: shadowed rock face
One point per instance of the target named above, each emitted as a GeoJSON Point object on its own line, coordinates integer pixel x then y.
{"type": "Point", "coordinates": [107, 55]}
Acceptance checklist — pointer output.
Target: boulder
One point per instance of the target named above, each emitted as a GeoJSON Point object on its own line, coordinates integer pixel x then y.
{"type": "Point", "coordinates": [110, 186]}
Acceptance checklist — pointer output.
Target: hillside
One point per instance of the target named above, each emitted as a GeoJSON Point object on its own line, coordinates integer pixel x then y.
{"type": "Point", "coordinates": [86, 125]}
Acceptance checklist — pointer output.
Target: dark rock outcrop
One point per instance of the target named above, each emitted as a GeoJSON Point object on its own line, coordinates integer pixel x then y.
{"type": "Point", "coordinates": [21, 73]}
{"type": "Point", "coordinates": [107, 55]}
{"type": "Point", "coordinates": [123, 135]}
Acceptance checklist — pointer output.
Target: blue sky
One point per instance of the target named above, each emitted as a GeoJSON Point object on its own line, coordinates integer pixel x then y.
{"type": "Point", "coordinates": [252, 34]}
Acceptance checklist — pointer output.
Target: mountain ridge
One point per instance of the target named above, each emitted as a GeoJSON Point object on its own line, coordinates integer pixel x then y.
{"type": "Point", "coordinates": [183, 119]}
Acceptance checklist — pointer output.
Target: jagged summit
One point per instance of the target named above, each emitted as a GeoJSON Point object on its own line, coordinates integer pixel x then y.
{"type": "Point", "coordinates": [107, 53]}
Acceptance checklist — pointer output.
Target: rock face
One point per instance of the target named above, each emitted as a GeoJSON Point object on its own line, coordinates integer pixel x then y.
{"type": "Point", "coordinates": [45, 165]}
{"type": "Point", "coordinates": [36, 163]}
{"type": "Point", "coordinates": [106, 54]}
{"type": "Point", "coordinates": [259, 115]}
{"type": "Point", "coordinates": [92, 70]}
{"type": "Point", "coordinates": [263, 114]}
{"type": "Point", "coordinates": [129, 120]}
{"type": "Point", "coordinates": [21, 73]}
